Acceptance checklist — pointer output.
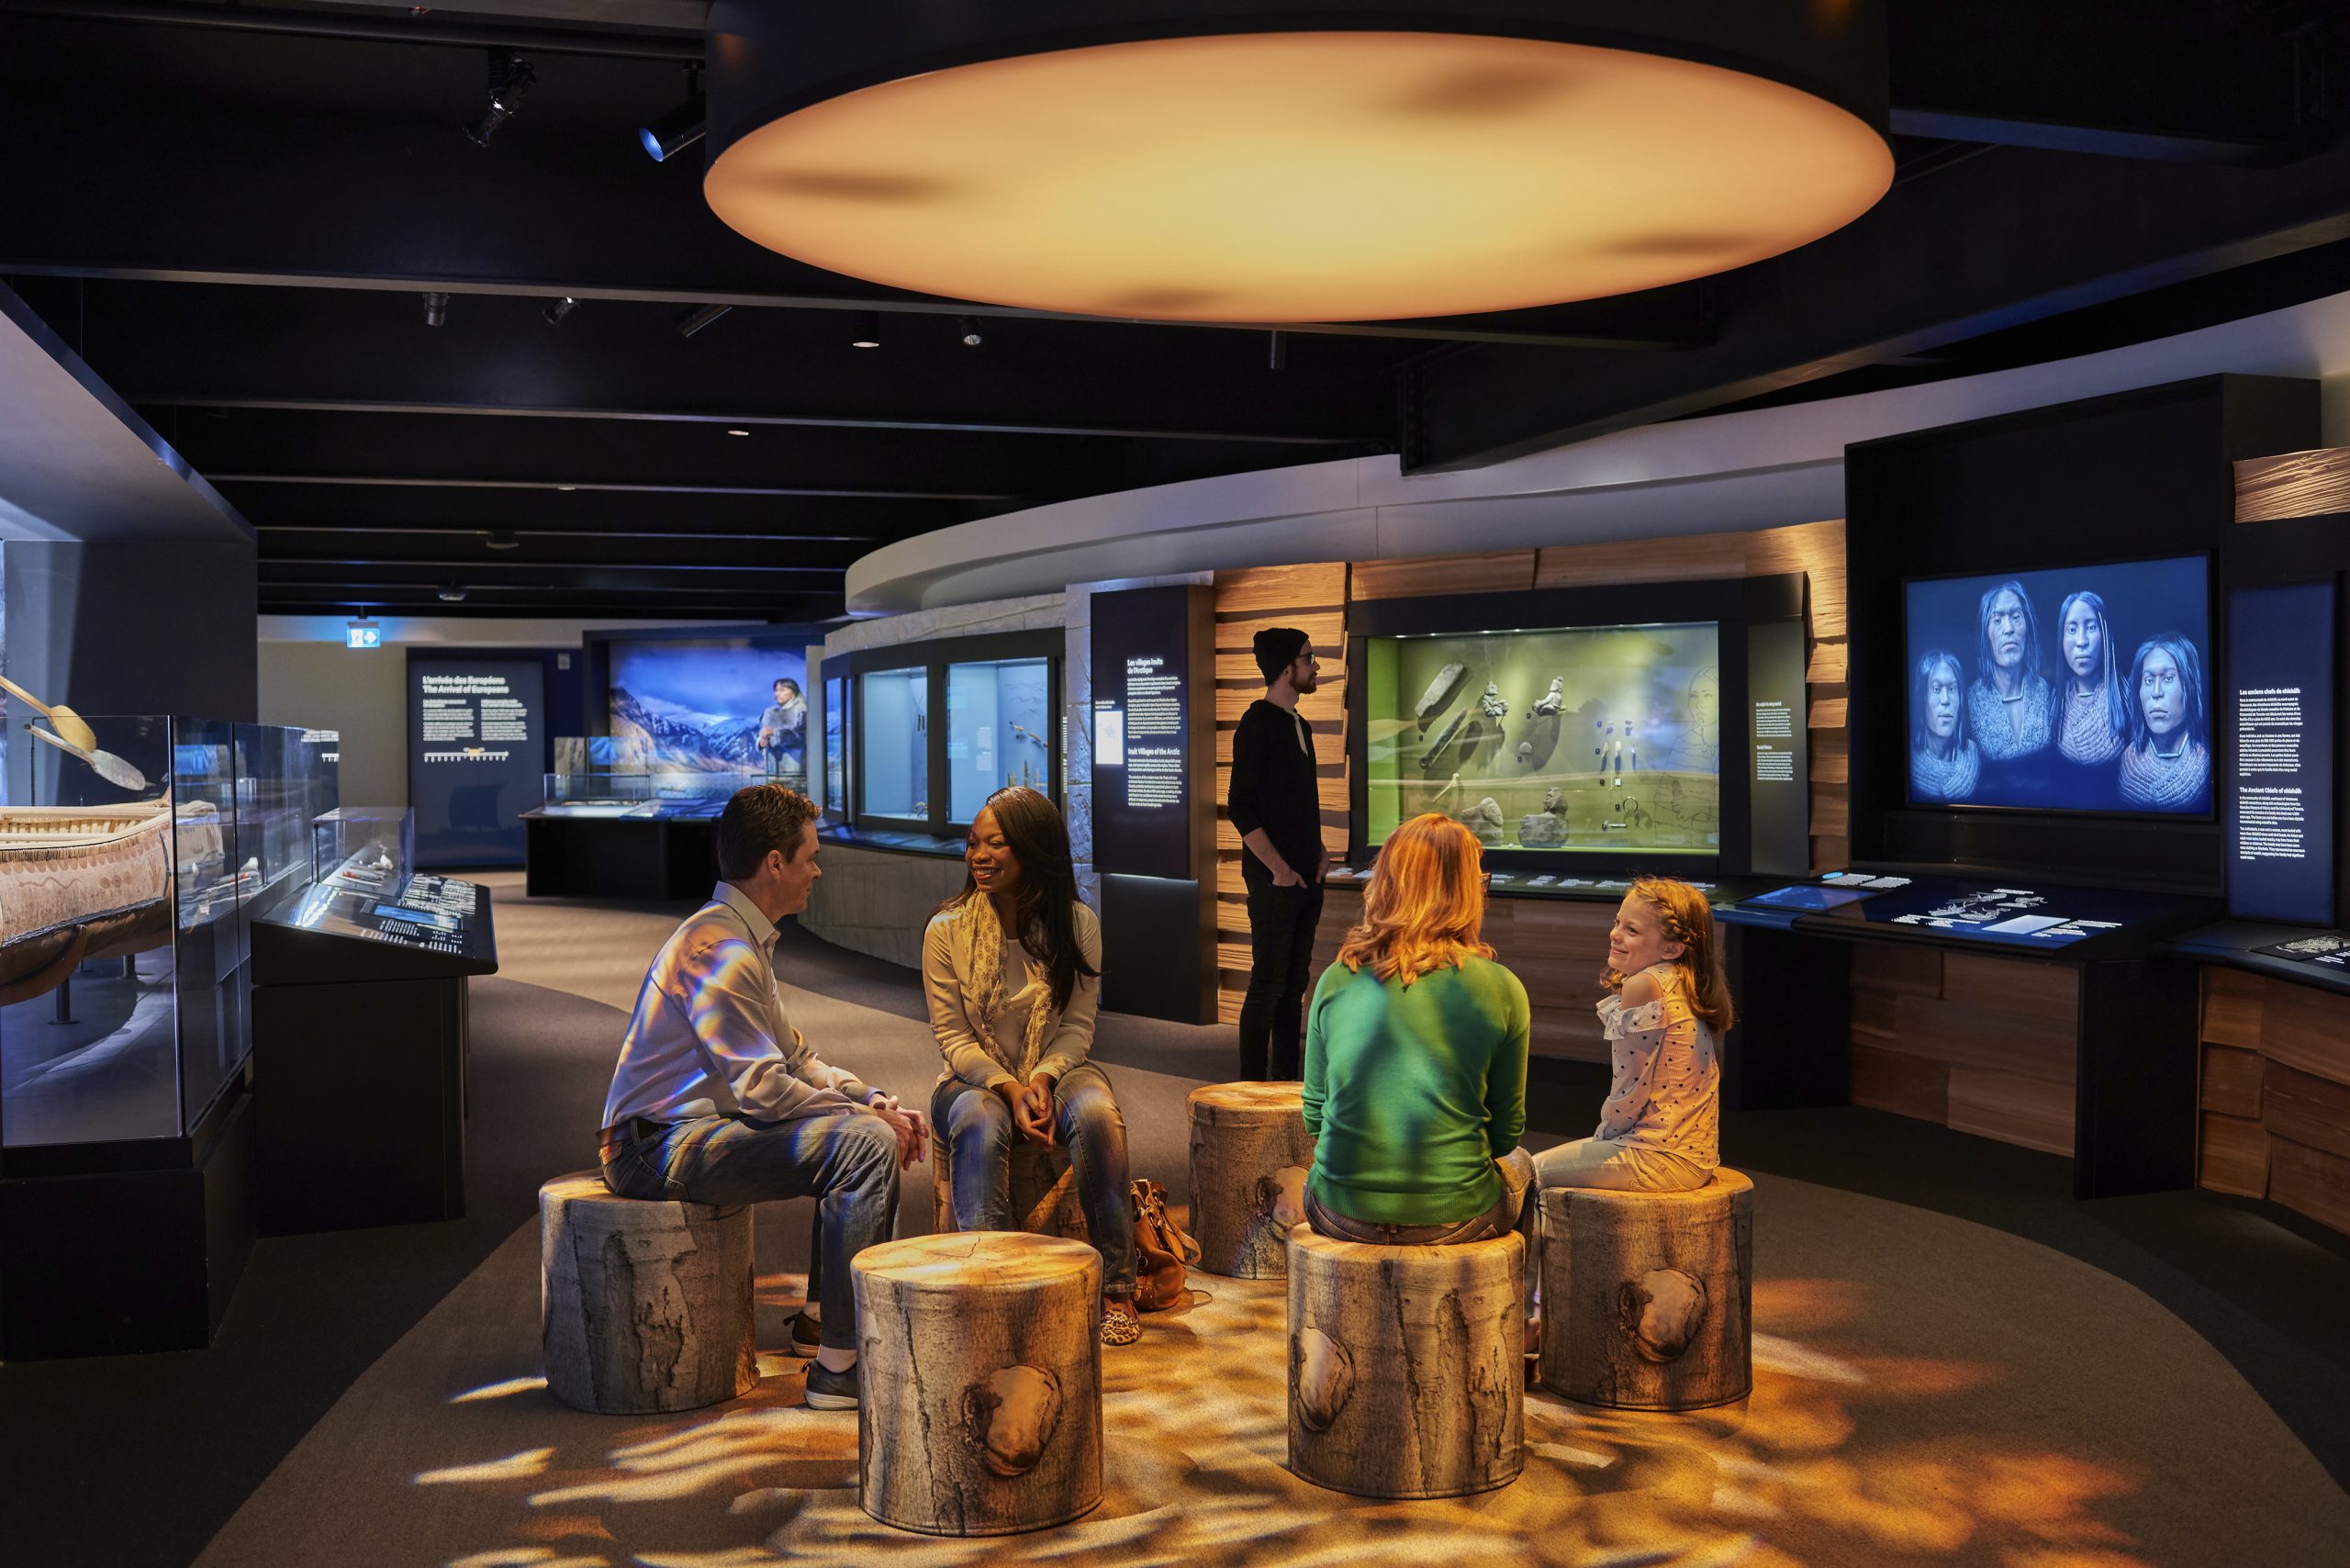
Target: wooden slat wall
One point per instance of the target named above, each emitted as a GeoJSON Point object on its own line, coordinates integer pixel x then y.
{"type": "Point", "coordinates": [2276, 1094]}
{"type": "Point", "coordinates": [2296, 484]}
{"type": "Point", "coordinates": [1313, 599]}
{"type": "Point", "coordinates": [1984, 1045]}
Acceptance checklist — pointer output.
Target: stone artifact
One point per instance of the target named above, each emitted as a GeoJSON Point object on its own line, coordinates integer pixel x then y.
{"type": "Point", "coordinates": [1552, 700]}
{"type": "Point", "coordinates": [1440, 694]}
{"type": "Point", "coordinates": [1484, 819]}
{"type": "Point", "coordinates": [1406, 1372]}
{"type": "Point", "coordinates": [1648, 1296]}
{"type": "Point", "coordinates": [645, 1307]}
{"type": "Point", "coordinates": [1554, 801]}
{"type": "Point", "coordinates": [1490, 703]}
{"type": "Point", "coordinates": [1250, 1157]}
{"type": "Point", "coordinates": [1427, 758]}
{"type": "Point", "coordinates": [982, 1362]}
{"type": "Point", "coordinates": [1541, 831]}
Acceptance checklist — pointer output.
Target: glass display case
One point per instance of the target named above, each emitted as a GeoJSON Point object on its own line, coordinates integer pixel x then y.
{"type": "Point", "coordinates": [893, 751]}
{"type": "Point", "coordinates": [999, 716]}
{"type": "Point", "coordinates": [338, 837]}
{"type": "Point", "coordinates": [368, 887]}
{"type": "Point", "coordinates": [128, 888]}
{"type": "Point", "coordinates": [1589, 738]}
{"type": "Point", "coordinates": [641, 795]}
{"type": "Point", "coordinates": [835, 745]}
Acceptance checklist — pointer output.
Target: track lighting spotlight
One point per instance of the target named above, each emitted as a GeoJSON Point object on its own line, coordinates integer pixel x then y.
{"type": "Point", "coordinates": [868, 330]}
{"type": "Point", "coordinates": [969, 327]}
{"type": "Point", "coordinates": [436, 308]}
{"type": "Point", "coordinates": [510, 81]}
{"type": "Point", "coordinates": [1276, 351]}
{"type": "Point", "coordinates": [564, 306]}
{"type": "Point", "coordinates": [453, 594]}
{"type": "Point", "coordinates": [675, 131]}
{"type": "Point", "coordinates": [694, 321]}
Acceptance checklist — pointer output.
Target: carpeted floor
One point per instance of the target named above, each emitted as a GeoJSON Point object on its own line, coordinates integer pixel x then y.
{"type": "Point", "coordinates": [1928, 1389]}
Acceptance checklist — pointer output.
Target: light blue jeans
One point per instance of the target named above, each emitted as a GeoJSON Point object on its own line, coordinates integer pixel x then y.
{"type": "Point", "coordinates": [846, 1160]}
{"type": "Point", "coordinates": [977, 1127]}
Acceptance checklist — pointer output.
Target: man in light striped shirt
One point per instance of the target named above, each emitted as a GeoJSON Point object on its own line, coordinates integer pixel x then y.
{"type": "Point", "coordinates": [718, 1098]}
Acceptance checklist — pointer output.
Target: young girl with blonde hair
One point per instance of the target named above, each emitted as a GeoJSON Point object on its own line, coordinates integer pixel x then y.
{"type": "Point", "coordinates": [1668, 1006]}
{"type": "Point", "coordinates": [1415, 1052]}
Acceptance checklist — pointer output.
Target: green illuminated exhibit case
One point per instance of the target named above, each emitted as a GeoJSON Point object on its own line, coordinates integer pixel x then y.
{"type": "Point", "coordinates": [1594, 738]}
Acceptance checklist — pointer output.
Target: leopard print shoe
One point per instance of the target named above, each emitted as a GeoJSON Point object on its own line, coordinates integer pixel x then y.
{"type": "Point", "coordinates": [1119, 1324]}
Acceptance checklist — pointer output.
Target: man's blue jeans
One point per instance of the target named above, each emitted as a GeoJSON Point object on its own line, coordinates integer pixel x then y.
{"type": "Point", "coordinates": [976, 1129]}
{"type": "Point", "coordinates": [845, 1161]}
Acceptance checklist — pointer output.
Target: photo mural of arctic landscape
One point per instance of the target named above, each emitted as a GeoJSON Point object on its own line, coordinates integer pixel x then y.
{"type": "Point", "coordinates": [705, 705]}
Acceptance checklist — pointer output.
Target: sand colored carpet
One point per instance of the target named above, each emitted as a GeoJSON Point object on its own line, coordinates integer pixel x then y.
{"type": "Point", "coordinates": [1928, 1390]}
{"type": "Point", "coordinates": [1925, 1391]}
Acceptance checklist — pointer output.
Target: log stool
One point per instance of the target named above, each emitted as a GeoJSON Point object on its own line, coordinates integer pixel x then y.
{"type": "Point", "coordinates": [644, 1307]}
{"type": "Point", "coordinates": [1647, 1297]}
{"type": "Point", "coordinates": [981, 1360]}
{"type": "Point", "coordinates": [1406, 1366]}
{"type": "Point", "coordinates": [1250, 1157]}
{"type": "Point", "coordinates": [1043, 1192]}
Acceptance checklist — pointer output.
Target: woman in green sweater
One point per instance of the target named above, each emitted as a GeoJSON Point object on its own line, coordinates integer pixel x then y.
{"type": "Point", "coordinates": [1415, 1058]}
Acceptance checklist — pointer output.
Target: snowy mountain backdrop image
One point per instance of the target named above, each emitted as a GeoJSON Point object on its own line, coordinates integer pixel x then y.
{"type": "Point", "coordinates": [697, 704]}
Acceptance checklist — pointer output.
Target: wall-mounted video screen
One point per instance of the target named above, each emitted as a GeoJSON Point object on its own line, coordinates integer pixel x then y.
{"type": "Point", "coordinates": [1591, 738]}
{"type": "Point", "coordinates": [2081, 689]}
{"type": "Point", "coordinates": [716, 705]}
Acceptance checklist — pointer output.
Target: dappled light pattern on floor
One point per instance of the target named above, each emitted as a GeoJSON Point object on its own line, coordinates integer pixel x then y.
{"type": "Point", "coordinates": [1816, 1467]}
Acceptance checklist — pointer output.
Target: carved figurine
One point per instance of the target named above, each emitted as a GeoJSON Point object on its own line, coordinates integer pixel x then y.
{"type": "Point", "coordinates": [1490, 703]}
{"type": "Point", "coordinates": [1484, 820]}
{"type": "Point", "coordinates": [1554, 800]}
{"type": "Point", "coordinates": [1553, 700]}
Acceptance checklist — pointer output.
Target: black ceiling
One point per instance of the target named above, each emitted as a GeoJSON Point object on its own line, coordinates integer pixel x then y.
{"type": "Point", "coordinates": [233, 214]}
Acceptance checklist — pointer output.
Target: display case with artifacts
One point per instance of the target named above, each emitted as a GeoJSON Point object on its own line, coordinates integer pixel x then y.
{"type": "Point", "coordinates": [129, 885]}
{"type": "Point", "coordinates": [998, 713]}
{"type": "Point", "coordinates": [1584, 738]}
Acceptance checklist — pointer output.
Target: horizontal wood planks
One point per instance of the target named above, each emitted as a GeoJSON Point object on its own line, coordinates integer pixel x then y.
{"type": "Point", "coordinates": [2294, 483]}
{"type": "Point", "coordinates": [1983, 1044]}
{"type": "Point", "coordinates": [2275, 1095]}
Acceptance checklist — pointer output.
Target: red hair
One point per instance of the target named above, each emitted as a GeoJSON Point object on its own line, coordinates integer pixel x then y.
{"type": "Point", "coordinates": [1425, 907]}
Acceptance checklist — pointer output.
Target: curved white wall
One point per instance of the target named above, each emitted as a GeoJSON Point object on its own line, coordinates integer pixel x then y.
{"type": "Point", "coordinates": [1757, 469]}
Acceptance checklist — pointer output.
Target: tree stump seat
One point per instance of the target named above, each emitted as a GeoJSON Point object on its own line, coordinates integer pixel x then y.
{"type": "Point", "coordinates": [644, 1307]}
{"type": "Point", "coordinates": [981, 1360]}
{"type": "Point", "coordinates": [1250, 1154]}
{"type": "Point", "coordinates": [1042, 1191]}
{"type": "Point", "coordinates": [1647, 1297]}
{"type": "Point", "coordinates": [1406, 1366]}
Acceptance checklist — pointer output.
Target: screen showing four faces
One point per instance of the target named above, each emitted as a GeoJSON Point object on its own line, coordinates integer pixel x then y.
{"type": "Point", "coordinates": [2083, 689]}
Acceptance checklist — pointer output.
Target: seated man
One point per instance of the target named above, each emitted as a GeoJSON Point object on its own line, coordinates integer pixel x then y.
{"type": "Point", "coordinates": [719, 1100]}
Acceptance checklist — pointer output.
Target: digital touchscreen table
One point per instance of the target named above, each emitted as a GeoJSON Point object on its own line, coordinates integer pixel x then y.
{"type": "Point", "coordinates": [2010, 913]}
{"type": "Point", "coordinates": [1805, 896]}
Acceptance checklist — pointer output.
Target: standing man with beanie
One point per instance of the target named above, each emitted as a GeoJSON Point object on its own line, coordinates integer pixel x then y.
{"type": "Point", "coordinates": [1276, 808]}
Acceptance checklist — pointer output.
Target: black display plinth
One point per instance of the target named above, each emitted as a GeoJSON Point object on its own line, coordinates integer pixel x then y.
{"type": "Point", "coordinates": [127, 1248]}
{"type": "Point", "coordinates": [663, 859]}
{"type": "Point", "coordinates": [359, 1069]}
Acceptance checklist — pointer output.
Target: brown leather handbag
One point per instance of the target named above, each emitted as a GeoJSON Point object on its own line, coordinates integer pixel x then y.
{"type": "Point", "coordinates": [1161, 1249]}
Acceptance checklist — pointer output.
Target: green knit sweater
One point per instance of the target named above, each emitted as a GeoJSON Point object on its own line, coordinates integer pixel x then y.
{"type": "Point", "coordinates": [1412, 1092]}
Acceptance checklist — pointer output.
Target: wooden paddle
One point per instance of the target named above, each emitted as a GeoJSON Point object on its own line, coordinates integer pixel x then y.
{"type": "Point", "coordinates": [111, 769]}
{"type": "Point", "coordinates": [70, 724]}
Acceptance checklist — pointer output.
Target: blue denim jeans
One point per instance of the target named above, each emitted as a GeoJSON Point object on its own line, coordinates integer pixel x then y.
{"type": "Point", "coordinates": [976, 1129]}
{"type": "Point", "coordinates": [846, 1162]}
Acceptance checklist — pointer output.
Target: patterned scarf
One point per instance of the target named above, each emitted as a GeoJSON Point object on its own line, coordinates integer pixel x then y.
{"type": "Point", "coordinates": [1951, 778]}
{"type": "Point", "coordinates": [2088, 736]}
{"type": "Point", "coordinates": [1987, 721]}
{"type": "Point", "coordinates": [2164, 783]}
{"type": "Point", "coordinates": [979, 942]}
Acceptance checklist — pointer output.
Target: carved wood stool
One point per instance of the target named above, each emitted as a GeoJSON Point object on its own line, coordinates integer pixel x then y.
{"type": "Point", "coordinates": [1647, 1297]}
{"type": "Point", "coordinates": [644, 1307]}
{"type": "Point", "coordinates": [1043, 1190]}
{"type": "Point", "coordinates": [1406, 1366]}
{"type": "Point", "coordinates": [981, 1360]}
{"type": "Point", "coordinates": [1250, 1157]}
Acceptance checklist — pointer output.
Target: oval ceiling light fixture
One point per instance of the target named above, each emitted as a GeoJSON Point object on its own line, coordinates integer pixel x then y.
{"type": "Point", "coordinates": [1180, 161]}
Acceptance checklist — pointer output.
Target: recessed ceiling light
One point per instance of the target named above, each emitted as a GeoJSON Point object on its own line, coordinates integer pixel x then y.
{"type": "Point", "coordinates": [738, 433]}
{"type": "Point", "coordinates": [868, 332]}
{"type": "Point", "coordinates": [1274, 176]}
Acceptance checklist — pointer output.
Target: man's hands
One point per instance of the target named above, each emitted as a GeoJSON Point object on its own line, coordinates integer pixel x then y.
{"type": "Point", "coordinates": [1287, 877]}
{"type": "Point", "coordinates": [1032, 1108]}
{"type": "Point", "coordinates": [913, 1134]}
